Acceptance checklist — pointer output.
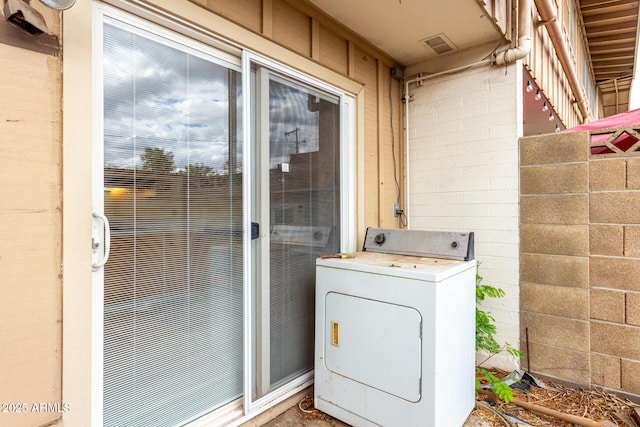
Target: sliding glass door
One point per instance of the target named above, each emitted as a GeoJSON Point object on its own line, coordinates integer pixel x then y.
{"type": "Point", "coordinates": [298, 146]}
{"type": "Point", "coordinates": [172, 191]}
{"type": "Point", "coordinates": [218, 180]}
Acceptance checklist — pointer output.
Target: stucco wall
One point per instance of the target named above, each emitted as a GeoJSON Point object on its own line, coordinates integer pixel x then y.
{"type": "Point", "coordinates": [463, 174]}
{"type": "Point", "coordinates": [580, 281]}
{"type": "Point", "coordinates": [31, 229]}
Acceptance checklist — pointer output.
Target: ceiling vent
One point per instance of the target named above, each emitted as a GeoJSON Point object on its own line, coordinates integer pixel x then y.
{"type": "Point", "coordinates": [439, 43]}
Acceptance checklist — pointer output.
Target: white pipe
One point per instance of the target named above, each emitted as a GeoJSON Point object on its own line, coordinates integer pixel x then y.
{"type": "Point", "coordinates": [524, 36]}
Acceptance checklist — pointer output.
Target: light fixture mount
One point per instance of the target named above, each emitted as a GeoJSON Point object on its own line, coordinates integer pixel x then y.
{"type": "Point", "coordinates": [21, 14]}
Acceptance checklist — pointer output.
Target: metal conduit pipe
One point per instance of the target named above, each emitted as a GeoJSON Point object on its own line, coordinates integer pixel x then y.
{"type": "Point", "coordinates": [524, 36]}
{"type": "Point", "coordinates": [547, 12]}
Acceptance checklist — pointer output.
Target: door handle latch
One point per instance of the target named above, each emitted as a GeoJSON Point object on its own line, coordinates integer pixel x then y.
{"type": "Point", "coordinates": [95, 244]}
{"type": "Point", "coordinates": [255, 230]}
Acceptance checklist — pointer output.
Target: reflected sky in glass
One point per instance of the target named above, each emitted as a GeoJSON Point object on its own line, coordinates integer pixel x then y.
{"type": "Point", "coordinates": [162, 97]}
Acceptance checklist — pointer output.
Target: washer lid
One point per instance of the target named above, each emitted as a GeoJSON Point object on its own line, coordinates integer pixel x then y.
{"type": "Point", "coordinates": [411, 267]}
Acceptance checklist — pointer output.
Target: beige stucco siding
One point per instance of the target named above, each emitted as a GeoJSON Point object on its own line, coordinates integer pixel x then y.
{"type": "Point", "coordinates": [30, 235]}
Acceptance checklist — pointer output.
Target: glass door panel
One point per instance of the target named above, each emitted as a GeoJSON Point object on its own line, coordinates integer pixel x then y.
{"type": "Point", "coordinates": [299, 143]}
{"type": "Point", "coordinates": [172, 182]}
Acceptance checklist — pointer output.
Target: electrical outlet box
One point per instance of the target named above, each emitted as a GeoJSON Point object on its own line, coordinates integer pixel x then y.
{"type": "Point", "coordinates": [396, 210]}
{"type": "Point", "coordinates": [397, 73]}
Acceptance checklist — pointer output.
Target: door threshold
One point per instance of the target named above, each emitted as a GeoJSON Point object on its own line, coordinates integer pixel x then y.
{"type": "Point", "coordinates": [232, 414]}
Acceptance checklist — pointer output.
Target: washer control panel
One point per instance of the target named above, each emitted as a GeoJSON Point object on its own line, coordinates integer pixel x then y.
{"type": "Point", "coordinates": [424, 243]}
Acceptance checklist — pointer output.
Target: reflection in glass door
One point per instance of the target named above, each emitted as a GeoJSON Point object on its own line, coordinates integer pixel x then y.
{"type": "Point", "coordinates": [172, 190]}
{"type": "Point", "coordinates": [299, 144]}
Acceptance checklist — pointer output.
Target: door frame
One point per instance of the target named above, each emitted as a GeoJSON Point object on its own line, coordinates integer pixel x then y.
{"type": "Point", "coordinates": [81, 62]}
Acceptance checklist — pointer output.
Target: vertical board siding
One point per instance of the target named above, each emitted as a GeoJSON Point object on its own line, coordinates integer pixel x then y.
{"type": "Point", "coordinates": [30, 238]}
{"type": "Point", "coordinates": [304, 29]}
{"type": "Point", "coordinates": [334, 50]}
{"type": "Point", "coordinates": [247, 13]}
{"type": "Point", "coordinates": [367, 72]}
{"type": "Point", "coordinates": [291, 28]}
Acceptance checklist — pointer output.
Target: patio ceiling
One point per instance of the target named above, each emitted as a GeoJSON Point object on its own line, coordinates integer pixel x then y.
{"type": "Point", "coordinates": [611, 27]}
{"type": "Point", "coordinates": [401, 28]}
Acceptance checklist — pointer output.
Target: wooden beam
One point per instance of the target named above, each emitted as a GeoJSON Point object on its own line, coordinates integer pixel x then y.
{"type": "Point", "coordinates": [602, 40]}
{"type": "Point", "coordinates": [618, 57]}
{"type": "Point", "coordinates": [598, 4]}
{"type": "Point", "coordinates": [613, 47]}
{"type": "Point", "coordinates": [611, 18]}
{"type": "Point", "coordinates": [631, 5]}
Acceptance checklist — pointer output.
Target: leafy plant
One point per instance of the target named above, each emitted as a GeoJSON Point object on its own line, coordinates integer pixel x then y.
{"type": "Point", "coordinates": [500, 389]}
{"type": "Point", "coordinates": [485, 338]}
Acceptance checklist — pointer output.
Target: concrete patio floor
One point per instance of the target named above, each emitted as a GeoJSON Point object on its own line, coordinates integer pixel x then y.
{"type": "Point", "coordinates": [295, 417]}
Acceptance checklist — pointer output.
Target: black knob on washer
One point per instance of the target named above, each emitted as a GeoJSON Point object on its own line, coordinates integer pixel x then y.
{"type": "Point", "coordinates": [379, 239]}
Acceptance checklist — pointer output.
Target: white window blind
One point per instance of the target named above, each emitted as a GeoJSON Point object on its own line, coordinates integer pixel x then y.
{"type": "Point", "coordinates": [304, 188]}
{"type": "Point", "coordinates": [173, 299]}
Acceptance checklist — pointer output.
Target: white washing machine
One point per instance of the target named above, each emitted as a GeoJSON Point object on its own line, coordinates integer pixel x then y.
{"type": "Point", "coordinates": [395, 330]}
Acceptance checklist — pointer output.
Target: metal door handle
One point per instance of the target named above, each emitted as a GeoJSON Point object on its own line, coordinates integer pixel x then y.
{"type": "Point", "coordinates": [107, 241]}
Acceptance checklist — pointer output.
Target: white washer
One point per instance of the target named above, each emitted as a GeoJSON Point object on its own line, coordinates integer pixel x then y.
{"type": "Point", "coordinates": [395, 333]}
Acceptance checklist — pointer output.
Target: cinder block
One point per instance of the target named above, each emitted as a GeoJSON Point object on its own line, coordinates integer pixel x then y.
{"type": "Point", "coordinates": [555, 239]}
{"type": "Point", "coordinates": [633, 173]}
{"type": "Point", "coordinates": [554, 209]}
{"type": "Point", "coordinates": [630, 373]}
{"type": "Point", "coordinates": [605, 370]}
{"type": "Point", "coordinates": [556, 300]}
{"type": "Point", "coordinates": [632, 306]}
{"type": "Point", "coordinates": [606, 240]}
{"type": "Point", "coordinates": [615, 340]}
{"type": "Point", "coordinates": [607, 304]}
{"type": "Point", "coordinates": [557, 331]}
{"type": "Point", "coordinates": [561, 363]}
{"type": "Point", "coordinates": [615, 273]}
{"type": "Point", "coordinates": [615, 207]}
{"type": "Point", "coordinates": [555, 270]}
{"type": "Point", "coordinates": [554, 148]}
{"type": "Point", "coordinates": [632, 241]}
{"type": "Point", "coordinates": [610, 174]}
{"type": "Point", "coordinates": [555, 179]}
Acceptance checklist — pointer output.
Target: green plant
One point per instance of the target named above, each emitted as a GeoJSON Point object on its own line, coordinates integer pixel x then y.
{"type": "Point", "coordinates": [500, 389]}
{"type": "Point", "coordinates": [485, 338]}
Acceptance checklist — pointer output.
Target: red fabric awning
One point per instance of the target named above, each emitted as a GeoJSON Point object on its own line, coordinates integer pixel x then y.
{"type": "Point", "coordinates": [623, 141]}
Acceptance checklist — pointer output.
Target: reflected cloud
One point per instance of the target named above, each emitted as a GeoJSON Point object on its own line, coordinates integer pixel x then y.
{"type": "Point", "coordinates": [159, 96]}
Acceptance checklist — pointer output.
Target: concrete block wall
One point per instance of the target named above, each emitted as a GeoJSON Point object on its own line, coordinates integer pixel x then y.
{"type": "Point", "coordinates": [463, 174]}
{"type": "Point", "coordinates": [580, 263]}
{"type": "Point", "coordinates": [615, 272]}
